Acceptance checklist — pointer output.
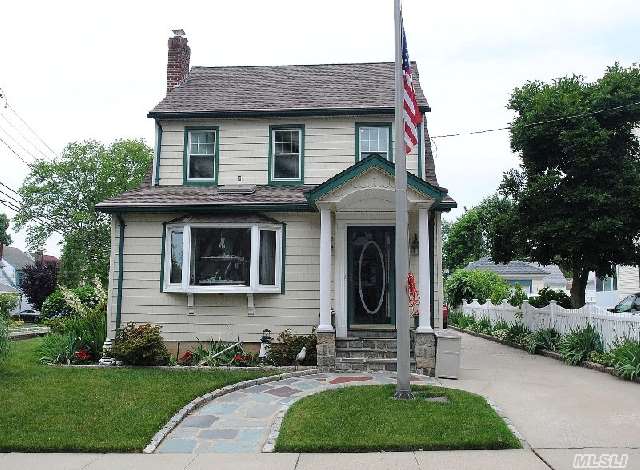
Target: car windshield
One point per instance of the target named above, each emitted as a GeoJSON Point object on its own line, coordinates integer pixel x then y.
{"type": "Point", "coordinates": [625, 304]}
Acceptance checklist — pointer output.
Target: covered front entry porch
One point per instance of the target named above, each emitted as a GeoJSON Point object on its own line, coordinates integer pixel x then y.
{"type": "Point", "coordinates": [357, 263]}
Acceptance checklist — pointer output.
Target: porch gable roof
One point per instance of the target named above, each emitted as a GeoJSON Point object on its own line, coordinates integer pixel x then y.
{"type": "Point", "coordinates": [438, 193]}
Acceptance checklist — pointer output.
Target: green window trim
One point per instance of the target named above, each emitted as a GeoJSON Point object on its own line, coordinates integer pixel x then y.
{"type": "Point", "coordinates": [162, 255]}
{"type": "Point", "coordinates": [285, 182]}
{"type": "Point", "coordinates": [185, 157]}
{"type": "Point", "coordinates": [359, 125]}
{"type": "Point", "coordinates": [283, 258]}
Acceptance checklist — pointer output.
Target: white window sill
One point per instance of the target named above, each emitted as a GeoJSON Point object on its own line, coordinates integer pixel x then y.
{"type": "Point", "coordinates": [223, 290]}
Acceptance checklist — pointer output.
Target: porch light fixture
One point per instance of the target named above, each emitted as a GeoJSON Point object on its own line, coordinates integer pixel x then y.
{"type": "Point", "coordinates": [415, 245]}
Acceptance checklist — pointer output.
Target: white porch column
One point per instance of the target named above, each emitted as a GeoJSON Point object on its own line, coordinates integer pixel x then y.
{"type": "Point", "coordinates": [325, 271]}
{"type": "Point", "coordinates": [424, 282]}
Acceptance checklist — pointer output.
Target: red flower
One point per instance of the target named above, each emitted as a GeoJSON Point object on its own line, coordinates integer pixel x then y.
{"type": "Point", "coordinates": [82, 355]}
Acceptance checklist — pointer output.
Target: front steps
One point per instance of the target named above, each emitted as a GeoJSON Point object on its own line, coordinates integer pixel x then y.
{"type": "Point", "coordinates": [369, 350]}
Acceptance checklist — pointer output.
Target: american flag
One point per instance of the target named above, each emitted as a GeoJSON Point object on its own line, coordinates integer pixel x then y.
{"type": "Point", "coordinates": [412, 116]}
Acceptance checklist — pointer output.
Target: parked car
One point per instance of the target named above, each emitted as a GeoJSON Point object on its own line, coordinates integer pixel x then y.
{"type": "Point", "coordinates": [30, 316]}
{"type": "Point", "coordinates": [630, 304]}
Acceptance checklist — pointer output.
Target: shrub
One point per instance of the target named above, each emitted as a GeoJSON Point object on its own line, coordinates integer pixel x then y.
{"type": "Point", "coordinates": [482, 326]}
{"type": "Point", "coordinates": [546, 338]}
{"type": "Point", "coordinates": [38, 282]}
{"type": "Point", "coordinates": [57, 305]}
{"type": "Point", "coordinates": [517, 333]}
{"type": "Point", "coordinates": [517, 296]}
{"type": "Point", "coordinates": [466, 322]}
{"type": "Point", "coordinates": [500, 325]}
{"type": "Point", "coordinates": [287, 346]}
{"type": "Point", "coordinates": [140, 345]}
{"type": "Point", "coordinates": [5, 344]}
{"type": "Point", "coordinates": [475, 284]}
{"type": "Point", "coordinates": [577, 346]}
{"type": "Point", "coordinates": [604, 358]}
{"type": "Point", "coordinates": [8, 302]}
{"type": "Point", "coordinates": [58, 348]}
{"type": "Point", "coordinates": [626, 359]}
{"type": "Point", "coordinates": [215, 353]}
{"type": "Point", "coordinates": [546, 295]}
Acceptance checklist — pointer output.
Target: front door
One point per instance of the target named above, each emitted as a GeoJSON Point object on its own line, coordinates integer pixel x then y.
{"type": "Point", "coordinates": [370, 275]}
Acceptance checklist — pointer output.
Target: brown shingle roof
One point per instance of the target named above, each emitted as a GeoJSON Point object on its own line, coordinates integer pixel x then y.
{"type": "Point", "coordinates": [274, 89]}
{"type": "Point", "coordinates": [181, 197]}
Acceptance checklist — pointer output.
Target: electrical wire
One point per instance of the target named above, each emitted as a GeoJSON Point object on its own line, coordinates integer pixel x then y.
{"type": "Point", "coordinates": [9, 107]}
{"type": "Point", "coordinates": [14, 152]}
{"type": "Point", "coordinates": [17, 143]}
{"type": "Point", "coordinates": [25, 138]}
{"type": "Point", "coordinates": [538, 123]}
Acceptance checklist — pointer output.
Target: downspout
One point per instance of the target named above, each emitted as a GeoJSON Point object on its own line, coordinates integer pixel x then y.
{"type": "Point", "coordinates": [156, 163]}
{"type": "Point", "coordinates": [120, 271]}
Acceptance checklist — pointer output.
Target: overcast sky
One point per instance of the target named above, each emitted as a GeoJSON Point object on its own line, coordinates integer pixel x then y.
{"type": "Point", "coordinates": [92, 70]}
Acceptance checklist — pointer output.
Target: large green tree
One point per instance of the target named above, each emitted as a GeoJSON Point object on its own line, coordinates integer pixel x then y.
{"type": "Point", "coordinates": [61, 195]}
{"type": "Point", "coordinates": [5, 238]}
{"type": "Point", "coordinates": [577, 192]}
{"type": "Point", "coordinates": [468, 238]}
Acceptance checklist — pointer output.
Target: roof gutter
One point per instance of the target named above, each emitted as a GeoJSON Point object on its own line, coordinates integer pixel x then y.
{"type": "Point", "coordinates": [276, 113]}
{"type": "Point", "coordinates": [120, 271]}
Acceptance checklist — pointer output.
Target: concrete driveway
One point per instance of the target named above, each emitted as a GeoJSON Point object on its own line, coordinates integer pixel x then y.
{"type": "Point", "coordinates": [560, 410]}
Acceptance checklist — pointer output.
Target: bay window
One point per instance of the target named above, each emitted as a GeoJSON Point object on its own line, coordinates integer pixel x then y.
{"type": "Point", "coordinates": [233, 257]}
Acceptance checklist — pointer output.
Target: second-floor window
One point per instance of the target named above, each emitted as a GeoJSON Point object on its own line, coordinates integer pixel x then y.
{"type": "Point", "coordinates": [287, 148]}
{"type": "Point", "coordinates": [373, 139]}
{"type": "Point", "coordinates": [201, 155]}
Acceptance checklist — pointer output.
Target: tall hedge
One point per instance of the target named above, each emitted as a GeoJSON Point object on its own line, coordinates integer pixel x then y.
{"type": "Point", "coordinates": [475, 284]}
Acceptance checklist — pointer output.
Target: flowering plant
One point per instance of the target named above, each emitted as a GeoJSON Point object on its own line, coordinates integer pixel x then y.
{"type": "Point", "coordinates": [82, 355]}
{"type": "Point", "coordinates": [413, 294]}
{"type": "Point", "coordinates": [186, 358]}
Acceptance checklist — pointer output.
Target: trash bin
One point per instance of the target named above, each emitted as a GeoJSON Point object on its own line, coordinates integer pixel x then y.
{"type": "Point", "coordinates": [447, 353]}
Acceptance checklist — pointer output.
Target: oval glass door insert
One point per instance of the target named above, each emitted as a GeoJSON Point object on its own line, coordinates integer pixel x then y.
{"type": "Point", "coordinates": [372, 277]}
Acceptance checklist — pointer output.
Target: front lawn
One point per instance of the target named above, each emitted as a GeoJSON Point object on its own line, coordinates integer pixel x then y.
{"type": "Point", "coordinates": [45, 408]}
{"type": "Point", "coordinates": [367, 418]}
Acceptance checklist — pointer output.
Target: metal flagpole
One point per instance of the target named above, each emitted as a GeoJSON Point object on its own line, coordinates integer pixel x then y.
{"type": "Point", "coordinates": [403, 387]}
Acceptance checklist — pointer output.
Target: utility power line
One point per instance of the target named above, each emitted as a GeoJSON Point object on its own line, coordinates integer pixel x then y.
{"type": "Point", "coordinates": [18, 144]}
{"type": "Point", "coordinates": [14, 152]}
{"type": "Point", "coordinates": [25, 138]}
{"type": "Point", "coordinates": [538, 123]}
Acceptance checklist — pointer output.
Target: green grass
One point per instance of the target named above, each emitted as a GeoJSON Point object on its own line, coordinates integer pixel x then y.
{"type": "Point", "coordinates": [45, 408]}
{"type": "Point", "coordinates": [367, 418]}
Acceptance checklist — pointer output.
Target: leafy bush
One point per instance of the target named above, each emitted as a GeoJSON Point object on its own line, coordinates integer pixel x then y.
{"type": "Point", "coordinates": [140, 345]}
{"type": "Point", "coordinates": [287, 346]}
{"type": "Point", "coordinates": [475, 284]}
{"type": "Point", "coordinates": [517, 333]}
{"type": "Point", "coordinates": [501, 325]}
{"type": "Point", "coordinates": [38, 282]}
{"type": "Point", "coordinates": [8, 302]}
{"type": "Point", "coordinates": [218, 353]}
{"type": "Point", "coordinates": [626, 359]}
{"type": "Point", "coordinates": [577, 346]}
{"type": "Point", "coordinates": [461, 320]}
{"type": "Point", "coordinates": [517, 296]}
{"type": "Point", "coordinates": [546, 295]}
{"type": "Point", "coordinates": [5, 344]}
{"type": "Point", "coordinates": [482, 326]}
{"type": "Point", "coordinates": [56, 304]}
{"type": "Point", "coordinates": [603, 358]}
{"type": "Point", "coordinates": [546, 338]}
{"type": "Point", "coordinates": [58, 348]}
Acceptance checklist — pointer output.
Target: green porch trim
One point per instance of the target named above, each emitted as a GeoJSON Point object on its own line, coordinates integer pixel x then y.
{"type": "Point", "coordinates": [162, 255]}
{"type": "Point", "coordinates": [158, 152]}
{"type": "Point", "coordinates": [185, 156]}
{"type": "Point", "coordinates": [284, 257]}
{"type": "Point", "coordinates": [120, 271]}
{"type": "Point", "coordinates": [276, 182]}
{"type": "Point", "coordinates": [420, 156]}
{"type": "Point", "coordinates": [389, 127]}
{"type": "Point", "coordinates": [373, 161]}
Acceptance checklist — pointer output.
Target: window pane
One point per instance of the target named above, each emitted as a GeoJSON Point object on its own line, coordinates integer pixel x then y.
{"type": "Point", "coordinates": [286, 154]}
{"type": "Point", "coordinates": [175, 277]}
{"type": "Point", "coordinates": [220, 256]}
{"type": "Point", "coordinates": [200, 167]}
{"type": "Point", "coordinates": [267, 257]}
{"type": "Point", "coordinates": [374, 140]}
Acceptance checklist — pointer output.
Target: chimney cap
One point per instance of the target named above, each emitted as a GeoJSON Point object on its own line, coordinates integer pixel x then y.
{"type": "Point", "coordinates": [178, 32]}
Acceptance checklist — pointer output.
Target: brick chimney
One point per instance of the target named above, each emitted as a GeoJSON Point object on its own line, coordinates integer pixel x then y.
{"type": "Point", "coordinates": [178, 60]}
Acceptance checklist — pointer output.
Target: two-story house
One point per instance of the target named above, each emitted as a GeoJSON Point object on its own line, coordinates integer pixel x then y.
{"type": "Point", "coordinates": [271, 206]}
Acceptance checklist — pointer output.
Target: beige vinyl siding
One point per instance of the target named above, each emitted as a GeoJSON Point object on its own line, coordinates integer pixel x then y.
{"type": "Point", "coordinates": [216, 316]}
{"type": "Point", "coordinates": [628, 282]}
{"type": "Point", "coordinates": [244, 148]}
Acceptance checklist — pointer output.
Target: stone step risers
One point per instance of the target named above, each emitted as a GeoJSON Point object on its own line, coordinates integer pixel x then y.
{"type": "Point", "coordinates": [370, 343]}
{"type": "Point", "coordinates": [366, 353]}
{"type": "Point", "coordinates": [372, 333]}
{"type": "Point", "coordinates": [370, 364]}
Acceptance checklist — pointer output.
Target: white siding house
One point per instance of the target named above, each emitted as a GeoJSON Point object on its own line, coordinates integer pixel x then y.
{"type": "Point", "coordinates": [270, 206]}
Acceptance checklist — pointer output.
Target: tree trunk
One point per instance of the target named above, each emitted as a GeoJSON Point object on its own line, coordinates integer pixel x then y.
{"type": "Point", "coordinates": [578, 286]}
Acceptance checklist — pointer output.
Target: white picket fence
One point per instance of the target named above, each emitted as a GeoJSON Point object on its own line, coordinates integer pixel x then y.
{"type": "Point", "coordinates": [611, 326]}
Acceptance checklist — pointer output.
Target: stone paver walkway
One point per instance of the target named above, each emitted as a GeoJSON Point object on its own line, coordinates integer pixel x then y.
{"type": "Point", "coordinates": [241, 421]}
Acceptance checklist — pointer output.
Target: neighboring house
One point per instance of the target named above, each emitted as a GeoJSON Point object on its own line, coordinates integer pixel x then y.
{"type": "Point", "coordinates": [271, 205]}
{"type": "Point", "coordinates": [12, 264]}
{"type": "Point", "coordinates": [607, 291]}
{"type": "Point", "coordinates": [530, 276]}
